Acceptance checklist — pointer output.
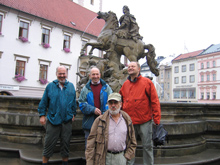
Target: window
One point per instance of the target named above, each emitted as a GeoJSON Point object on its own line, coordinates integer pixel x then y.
{"type": "Point", "coordinates": [213, 64]}
{"type": "Point", "coordinates": [192, 93]}
{"type": "Point", "coordinates": [66, 42]}
{"type": "Point", "coordinates": [183, 68]}
{"type": "Point", "coordinates": [176, 80]}
{"type": "Point", "coordinates": [208, 77]}
{"type": "Point", "coordinates": [176, 94]}
{"type": "Point", "coordinates": [1, 19]}
{"type": "Point", "coordinates": [213, 95]}
{"type": "Point", "coordinates": [183, 79]}
{"type": "Point", "coordinates": [202, 95]}
{"type": "Point", "coordinates": [20, 68]}
{"type": "Point", "coordinates": [176, 69]}
{"type": "Point", "coordinates": [191, 67]}
{"type": "Point", "coordinates": [168, 75]}
{"type": "Point", "coordinates": [208, 95]}
{"type": "Point", "coordinates": [202, 78]}
{"type": "Point", "coordinates": [208, 65]}
{"type": "Point", "coordinates": [183, 94]}
{"type": "Point", "coordinates": [214, 77]}
{"type": "Point", "coordinates": [43, 72]}
{"type": "Point", "coordinates": [45, 36]}
{"type": "Point", "coordinates": [202, 66]}
{"type": "Point", "coordinates": [92, 2]}
{"type": "Point", "coordinates": [192, 78]}
{"type": "Point", "coordinates": [161, 75]}
{"type": "Point", "coordinates": [168, 85]}
{"type": "Point", "coordinates": [23, 29]}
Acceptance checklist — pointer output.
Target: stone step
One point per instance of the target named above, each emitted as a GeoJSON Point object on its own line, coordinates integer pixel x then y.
{"type": "Point", "coordinates": [26, 154]}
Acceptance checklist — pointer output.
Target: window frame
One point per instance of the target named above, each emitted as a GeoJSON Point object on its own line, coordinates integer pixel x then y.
{"type": "Point", "coordinates": [65, 40]}
{"type": "Point", "coordinates": [213, 64]}
{"type": "Point", "coordinates": [202, 65]}
{"type": "Point", "coordinates": [213, 95]}
{"type": "Point", "coordinates": [1, 23]}
{"type": "Point", "coordinates": [183, 68]}
{"type": "Point", "coordinates": [202, 95]}
{"type": "Point", "coordinates": [208, 77]}
{"type": "Point", "coordinates": [190, 78]}
{"type": "Point", "coordinates": [176, 80]}
{"type": "Point", "coordinates": [22, 29]}
{"type": "Point", "coordinates": [191, 67]}
{"type": "Point", "coordinates": [43, 72]}
{"type": "Point", "coordinates": [176, 69]}
{"type": "Point", "coordinates": [202, 78]}
{"type": "Point", "coordinates": [214, 77]}
{"type": "Point", "coordinates": [19, 68]}
{"type": "Point", "coordinates": [183, 77]}
{"type": "Point", "coordinates": [44, 35]}
{"type": "Point", "coordinates": [208, 95]}
{"type": "Point", "coordinates": [207, 64]}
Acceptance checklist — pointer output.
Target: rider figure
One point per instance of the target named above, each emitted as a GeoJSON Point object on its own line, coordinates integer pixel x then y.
{"type": "Point", "coordinates": [128, 29]}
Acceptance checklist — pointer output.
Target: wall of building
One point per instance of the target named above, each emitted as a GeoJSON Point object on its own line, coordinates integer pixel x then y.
{"type": "Point", "coordinates": [208, 88]}
{"type": "Point", "coordinates": [34, 54]}
{"type": "Point", "coordinates": [187, 90]}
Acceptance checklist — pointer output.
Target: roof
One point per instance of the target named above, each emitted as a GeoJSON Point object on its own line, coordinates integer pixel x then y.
{"type": "Point", "coordinates": [59, 11]}
{"type": "Point", "coordinates": [188, 55]}
{"type": "Point", "coordinates": [167, 60]}
{"type": "Point", "coordinates": [211, 49]}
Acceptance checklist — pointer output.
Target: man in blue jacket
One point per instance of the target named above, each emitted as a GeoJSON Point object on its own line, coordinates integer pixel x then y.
{"type": "Point", "coordinates": [59, 100]}
{"type": "Point", "coordinates": [93, 99]}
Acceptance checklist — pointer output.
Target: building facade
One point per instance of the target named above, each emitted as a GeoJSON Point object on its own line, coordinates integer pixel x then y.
{"type": "Point", "coordinates": [36, 37]}
{"type": "Point", "coordinates": [208, 75]}
{"type": "Point", "coordinates": [165, 79]}
{"type": "Point", "coordinates": [184, 71]}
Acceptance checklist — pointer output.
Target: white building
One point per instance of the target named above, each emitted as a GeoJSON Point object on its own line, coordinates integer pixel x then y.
{"type": "Point", "coordinates": [94, 5]}
{"type": "Point", "coordinates": [165, 79]}
{"type": "Point", "coordinates": [36, 36]}
{"type": "Point", "coordinates": [185, 78]}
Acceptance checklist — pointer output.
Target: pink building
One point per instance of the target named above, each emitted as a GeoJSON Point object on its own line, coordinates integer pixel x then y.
{"type": "Point", "coordinates": [209, 75]}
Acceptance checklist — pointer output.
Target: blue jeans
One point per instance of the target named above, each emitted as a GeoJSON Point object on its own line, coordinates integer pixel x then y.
{"type": "Point", "coordinates": [145, 132]}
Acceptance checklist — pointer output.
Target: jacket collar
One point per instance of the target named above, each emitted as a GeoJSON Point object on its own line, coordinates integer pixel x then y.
{"type": "Point", "coordinates": [105, 116]}
{"type": "Point", "coordinates": [57, 83]}
{"type": "Point", "coordinates": [101, 81]}
{"type": "Point", "coordinates": [136, 78]}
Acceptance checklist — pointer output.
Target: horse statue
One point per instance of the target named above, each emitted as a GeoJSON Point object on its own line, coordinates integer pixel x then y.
{"type": "Point", "coordinates": [133, 50]}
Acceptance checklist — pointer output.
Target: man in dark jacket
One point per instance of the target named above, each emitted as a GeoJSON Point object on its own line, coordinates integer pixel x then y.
{"type": "Point", "coordinates": [93, 99]}
{"type": "Point", "coordinates": [59, 100]}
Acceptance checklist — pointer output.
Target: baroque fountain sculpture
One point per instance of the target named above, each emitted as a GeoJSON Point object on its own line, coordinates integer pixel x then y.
{"type": "Point", "coordinates": [116, 41]}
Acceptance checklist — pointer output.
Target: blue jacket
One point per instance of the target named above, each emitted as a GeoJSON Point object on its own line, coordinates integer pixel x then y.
{"type": "Point", "coordinates": [86, 103]}
{"type": "Point", "coordinates": [61, 104]}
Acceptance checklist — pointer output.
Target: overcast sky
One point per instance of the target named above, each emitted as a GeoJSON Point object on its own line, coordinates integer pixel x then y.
{"type": "Point", "coordinates": [173, 25]}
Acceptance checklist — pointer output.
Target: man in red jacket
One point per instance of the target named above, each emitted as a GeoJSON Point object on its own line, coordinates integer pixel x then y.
{"type": "Point", "coordinates": [140, 101]}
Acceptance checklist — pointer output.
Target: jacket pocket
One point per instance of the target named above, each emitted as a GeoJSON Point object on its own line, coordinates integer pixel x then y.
{"type": "Point", "coordinates": [99, 149]}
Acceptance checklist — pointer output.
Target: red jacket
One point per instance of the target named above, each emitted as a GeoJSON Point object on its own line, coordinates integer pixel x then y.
{"type": "Point", "coordinates": [140, 100]}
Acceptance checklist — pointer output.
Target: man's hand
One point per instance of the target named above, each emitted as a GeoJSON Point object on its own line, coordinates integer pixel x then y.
{"type": "Point", "coordinates": [43, 120]}
{"type": "Point", "coordinates": [73, 118]}
{"type": "Point", "coordinates": [97, 111]}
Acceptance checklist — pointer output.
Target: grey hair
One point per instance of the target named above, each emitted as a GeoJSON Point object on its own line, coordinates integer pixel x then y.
{"type": "Point", "coordinates": [60, 67]}
{"type": "Point", "coordinates": [93, 67]}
